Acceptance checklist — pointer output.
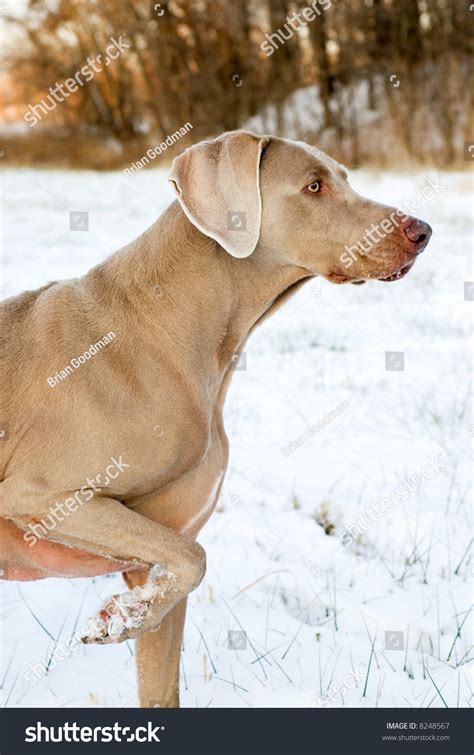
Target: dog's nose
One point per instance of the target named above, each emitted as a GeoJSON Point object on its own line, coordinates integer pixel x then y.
{"type": "Point", "coordinates": [418, 232]}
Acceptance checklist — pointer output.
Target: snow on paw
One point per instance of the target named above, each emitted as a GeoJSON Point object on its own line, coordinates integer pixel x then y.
{"type": "Point", "coordinates": [129, 614]}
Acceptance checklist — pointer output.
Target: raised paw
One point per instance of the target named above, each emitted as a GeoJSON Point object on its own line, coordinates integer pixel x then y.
{"type": "Point", "coordinates": [125, 616]}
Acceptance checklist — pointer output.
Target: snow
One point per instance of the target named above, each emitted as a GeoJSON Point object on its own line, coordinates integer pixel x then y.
{"type": "Point", "coordinates": [325, 616]}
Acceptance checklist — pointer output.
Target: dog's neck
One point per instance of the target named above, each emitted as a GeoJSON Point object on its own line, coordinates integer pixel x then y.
{"type": "Point", "coordinates": [198, 301]}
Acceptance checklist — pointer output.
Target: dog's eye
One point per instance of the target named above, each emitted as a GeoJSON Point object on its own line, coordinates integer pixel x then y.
{"type": "Point", "coordinates": [314, 187]}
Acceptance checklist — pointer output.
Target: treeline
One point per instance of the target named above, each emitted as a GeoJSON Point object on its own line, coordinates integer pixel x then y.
{"type": "Point", "coordinates": [380, 80]}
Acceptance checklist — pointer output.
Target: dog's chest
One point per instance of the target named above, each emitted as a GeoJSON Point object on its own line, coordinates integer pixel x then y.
{"type": "Point", "coordinates": [187, 501]}
{"type": "Point", "coordinates": [199, 508]}
{"type": "Point", "coordinates": [187, 504]}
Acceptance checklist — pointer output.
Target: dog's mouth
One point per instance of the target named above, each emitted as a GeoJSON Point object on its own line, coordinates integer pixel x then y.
{"type": "Point", "coordinates": [398, 275]}
{"type": "Point", "coordinates": [336, 277]}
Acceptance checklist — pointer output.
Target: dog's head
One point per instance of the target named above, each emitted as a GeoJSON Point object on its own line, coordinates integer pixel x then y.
{"type": "Point", "coordinates": [293, 202]}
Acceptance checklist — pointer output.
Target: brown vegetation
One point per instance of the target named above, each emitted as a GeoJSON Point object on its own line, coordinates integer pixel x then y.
{"type": "Point", "coordinates": [202, 62]}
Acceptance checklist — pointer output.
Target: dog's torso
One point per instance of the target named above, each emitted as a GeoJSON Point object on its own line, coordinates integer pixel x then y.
{"type": "Point", "coordinates": [122, 422]}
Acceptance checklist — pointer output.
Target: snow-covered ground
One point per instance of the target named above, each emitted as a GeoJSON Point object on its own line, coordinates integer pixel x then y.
{"type": "Point", "coordinates": [325, 614]}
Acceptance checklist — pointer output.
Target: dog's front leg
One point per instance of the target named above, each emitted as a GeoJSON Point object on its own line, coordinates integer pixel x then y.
{"type": "Point", "coordinates": [174, 564]}
{"type": "Point", "coordinates": [157, 655]}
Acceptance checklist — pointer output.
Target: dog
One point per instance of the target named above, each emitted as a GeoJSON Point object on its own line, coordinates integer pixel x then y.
{"type": "Point", "coordinates": [126, 370]}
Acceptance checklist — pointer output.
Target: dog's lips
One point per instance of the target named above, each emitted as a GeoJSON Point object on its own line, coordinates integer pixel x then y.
{"type": "Point", "coordinates": [336, 277]}
{"type": "Point", "coordinates": [398, 275]}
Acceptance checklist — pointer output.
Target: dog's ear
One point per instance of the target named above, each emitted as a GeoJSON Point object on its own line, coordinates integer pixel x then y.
{"type": "Point", "coordinates": [218, 187]}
